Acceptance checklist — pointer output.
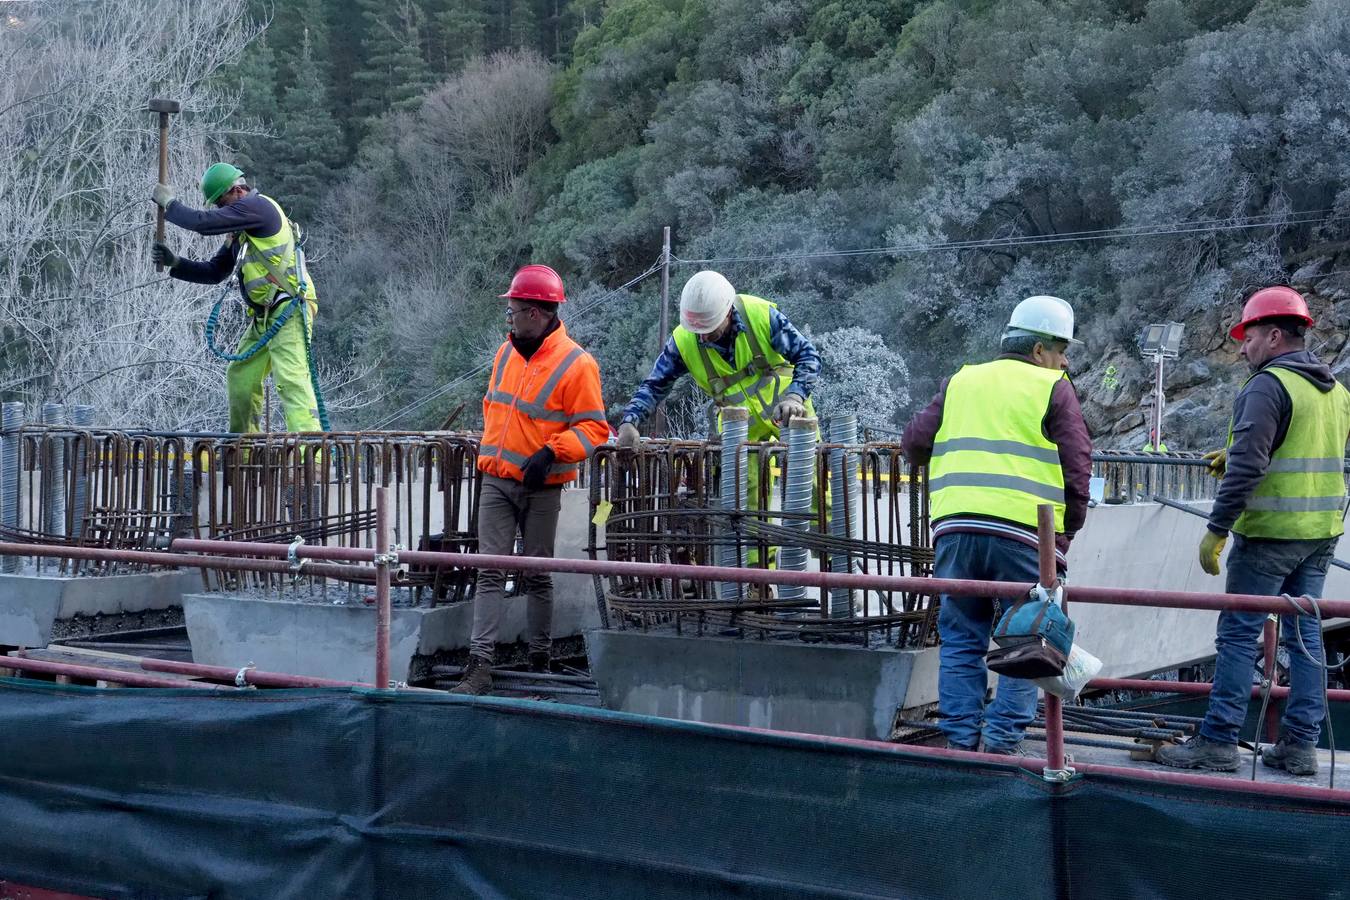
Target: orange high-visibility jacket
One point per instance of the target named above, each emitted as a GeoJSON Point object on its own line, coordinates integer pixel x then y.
{"type": "Point", "coordinates": [552, 399]}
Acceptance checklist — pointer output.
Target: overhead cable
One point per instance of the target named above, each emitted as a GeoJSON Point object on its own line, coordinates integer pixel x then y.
{"type": "Point", "coordinates": [1201, 226]}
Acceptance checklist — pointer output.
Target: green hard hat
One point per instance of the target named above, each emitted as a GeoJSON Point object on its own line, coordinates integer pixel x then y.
{"type": "Point", "coordinates": [219, 179]}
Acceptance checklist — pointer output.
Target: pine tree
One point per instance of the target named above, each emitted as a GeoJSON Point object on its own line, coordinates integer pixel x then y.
{"type": "Point", "coordinates": [395, 74]}
{"type": "Point", "coordinates": [457, 33]}
{"type": "Point", "coordinates": [523, 28]}
{"type": "Point", "coordinates": [309, 148]}
{"type": "Point", "coordinates": [256, 75]}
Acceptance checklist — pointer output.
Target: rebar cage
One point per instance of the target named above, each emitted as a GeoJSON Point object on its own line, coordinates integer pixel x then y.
{"type": "Point", "coordinates": [663, 503]}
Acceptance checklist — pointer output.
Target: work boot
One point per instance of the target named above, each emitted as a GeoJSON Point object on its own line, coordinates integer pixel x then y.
{"type": "Point", "coordinates": [953, 745]}
{"type": "Point", "coordinates": [1199, 752]}
{"type": "Point", "coordinates": [1017, 749]}
{"type": "Point", "coordinates": [1295, 757]}
{"type": "Point", "coordinates": [477, 678]}
{"type": "Point", "coordinates": [540, 661]}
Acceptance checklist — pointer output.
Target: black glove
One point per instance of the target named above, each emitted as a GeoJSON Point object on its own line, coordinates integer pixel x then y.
{"type": "Point", "coordinates": [536, 468]}
{"type": "Point", "coordinates": [162, 255]}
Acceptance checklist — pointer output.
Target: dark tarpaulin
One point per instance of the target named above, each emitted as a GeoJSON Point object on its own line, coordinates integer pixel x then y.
{"type": "Point", "coordinates": [319, 794]}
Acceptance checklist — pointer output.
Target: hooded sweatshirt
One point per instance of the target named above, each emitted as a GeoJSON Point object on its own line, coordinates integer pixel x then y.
{"type": "Point", "coordinates": [1261, 416]}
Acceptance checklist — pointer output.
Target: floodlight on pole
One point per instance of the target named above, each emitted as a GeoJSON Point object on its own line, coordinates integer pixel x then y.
{"type": "Point", "coordinates": [1159, 342]}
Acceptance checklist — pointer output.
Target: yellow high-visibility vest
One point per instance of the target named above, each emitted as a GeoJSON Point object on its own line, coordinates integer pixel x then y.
{"type": "Point", "coordinates": [990, 457]}
{"type": "Point", "coordinates": [1302, 496]}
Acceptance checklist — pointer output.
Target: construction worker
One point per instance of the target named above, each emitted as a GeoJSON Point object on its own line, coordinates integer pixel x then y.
{"type": "Point", "coordinates": [1152, 445]}
{"type": "Point", "coordinates": [542, 416]}
{"type": "Point", "coordinates": [262, 247]}
{"type": "Point", "coordinates": [741, 351]}
{"type": "Point", "coordinates": [1283, 498]}
{"type": "Point", "coordinates": [1000, 438]}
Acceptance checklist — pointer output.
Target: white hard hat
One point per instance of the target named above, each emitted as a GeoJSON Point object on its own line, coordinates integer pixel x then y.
{"type": "Point", "coordinates": [705, 301]}
{"type": "Point", "coordinates": [1044, 316]}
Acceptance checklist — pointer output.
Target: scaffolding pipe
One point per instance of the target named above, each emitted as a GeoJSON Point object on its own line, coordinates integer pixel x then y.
{"type": "Point", "coordinates": [959, 587]}
{"type": "Point", "coordinates": [1055, 768]}
{"type": "Point", "coordinates": [843, 516]}
{"type": "Point", "coordinates": [245, 675]}
{"type": "Point", "coordinates": [799, 484]}
{"type": "Point", "coordinates": [11, 421]}
{"type": "Point", "coordinates": [735, 459]}
{"type": "Point", "coordinates": [383, 558]}
{"type": "Point", "coordinates": [1198, 688]}
{"type": "Point", "coordinates": [98, 673]}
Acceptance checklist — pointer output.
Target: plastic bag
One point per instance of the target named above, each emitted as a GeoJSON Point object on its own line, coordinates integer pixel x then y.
{"type": "Point", "coordinates": [1080, 668]}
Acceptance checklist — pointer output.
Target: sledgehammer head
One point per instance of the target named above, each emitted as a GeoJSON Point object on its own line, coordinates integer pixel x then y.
{"type": "Point", "coordinates": [161, 105]}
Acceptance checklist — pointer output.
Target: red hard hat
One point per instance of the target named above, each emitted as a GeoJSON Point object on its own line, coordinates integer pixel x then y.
{"type": "Point", "coordinates": [536, 283]}
{"type": "Point", "coordinates": [1269, 303]}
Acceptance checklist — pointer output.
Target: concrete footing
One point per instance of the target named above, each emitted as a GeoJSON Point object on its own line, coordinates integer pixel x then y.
{"type": "Point", "coordinates": [813, 688]}
{"type": "Point", "coordinates": [319, 639]}
{"type": "Point", "coordinates": [32, 606]}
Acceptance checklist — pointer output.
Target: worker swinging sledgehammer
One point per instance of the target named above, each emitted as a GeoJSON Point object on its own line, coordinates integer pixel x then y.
{"type": "Point", "coordinates": [262, 246]}
{"type": "Point", "coordinates": [741, 351]}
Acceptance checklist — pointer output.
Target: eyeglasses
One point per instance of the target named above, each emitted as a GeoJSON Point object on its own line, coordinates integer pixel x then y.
{"type": "Point", "coordinates": [512, 313]}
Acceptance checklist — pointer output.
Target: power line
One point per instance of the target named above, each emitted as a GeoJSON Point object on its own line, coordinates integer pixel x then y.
{"type": "Point", "coordinates": [1199, 226]}
{"type": "Point", "coordinates": [478, 370]}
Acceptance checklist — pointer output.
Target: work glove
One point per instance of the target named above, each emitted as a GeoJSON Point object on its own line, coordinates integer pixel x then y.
{"type": "Point", "coordinates": [163, 195]}
{"type": "Point", "coordinates": [1218, 462]}
{"type": "Point", "coordinates": [628, 436]}
{"type": "Point", "coordinates": [162, 255]}
{"type": "Point", "coordinates": [1211, 548]}
{"type": "Point", "coordinates": [536, 467]}
{"type": "Point", "coordinates": [790, 407]}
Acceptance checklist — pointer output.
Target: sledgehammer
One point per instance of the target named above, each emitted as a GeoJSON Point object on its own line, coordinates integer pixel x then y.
{"type": "Point", "coordinates": [164, 108]}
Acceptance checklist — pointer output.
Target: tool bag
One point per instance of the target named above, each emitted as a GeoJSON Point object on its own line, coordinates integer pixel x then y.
{"type": "Point", "coordinates": [1034, 637]}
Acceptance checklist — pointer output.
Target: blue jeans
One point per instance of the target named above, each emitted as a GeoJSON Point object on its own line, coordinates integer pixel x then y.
{"type": "Point", "coordinates": [965, 624]}
{"type": "Point", "coordinates": [1270, 568]}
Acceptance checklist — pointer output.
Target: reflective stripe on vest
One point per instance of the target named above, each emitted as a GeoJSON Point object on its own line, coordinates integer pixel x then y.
{"type": "Point", "coordinates": [1302, 495]}
{"type": "Point", "coordinates": [268, 266]}
{"type": "Point", "coordinates": [990, 457]}
{"type": "Point", "coordinates": [756, 380]}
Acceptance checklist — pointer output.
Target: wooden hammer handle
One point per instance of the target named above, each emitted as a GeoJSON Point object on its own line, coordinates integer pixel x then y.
{"type": "Point", "coordinates": [163, 178]}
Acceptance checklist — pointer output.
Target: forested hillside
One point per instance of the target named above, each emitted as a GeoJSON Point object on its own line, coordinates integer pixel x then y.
{"type": "Point", "coordinates": [896, 174]}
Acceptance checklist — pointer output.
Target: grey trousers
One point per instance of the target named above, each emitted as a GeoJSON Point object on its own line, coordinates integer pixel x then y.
{"type": "Point", "coordinates": [505, 507]}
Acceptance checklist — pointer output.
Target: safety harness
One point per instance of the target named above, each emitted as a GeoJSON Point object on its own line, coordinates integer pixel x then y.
{"type": "Point", "coordinates": [296, 301]}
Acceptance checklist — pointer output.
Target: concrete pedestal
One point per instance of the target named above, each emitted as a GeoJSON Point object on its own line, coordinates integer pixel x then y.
{"type": "Point", "coordinates": [31, 606]}
{"type": "Point", "coordinates": [813, 688]}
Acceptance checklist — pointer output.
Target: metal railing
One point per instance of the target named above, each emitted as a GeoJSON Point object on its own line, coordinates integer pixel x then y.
{"type": "Point", "coordinates": [381, 564]}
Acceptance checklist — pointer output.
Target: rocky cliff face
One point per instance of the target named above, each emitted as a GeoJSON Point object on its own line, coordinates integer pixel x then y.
{"type": "Point", "coordinates": [1200, 385]}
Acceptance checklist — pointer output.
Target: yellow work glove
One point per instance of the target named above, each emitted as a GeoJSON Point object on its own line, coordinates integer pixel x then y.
{"type": "Point", "coordinates": [1218, 462]}
{"type": "Point", "coordinates": [1211, 548]}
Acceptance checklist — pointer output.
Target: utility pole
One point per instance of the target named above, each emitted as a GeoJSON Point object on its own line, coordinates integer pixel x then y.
{"type": "Point", "coordinates": [665, 288]}
{"type": "Point", "coordinates": [659, 417]}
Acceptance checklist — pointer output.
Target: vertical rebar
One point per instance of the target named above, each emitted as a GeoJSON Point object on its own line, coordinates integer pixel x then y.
{"type": "Point", "coordinates": [735, 459]}
{"type": "Point", "coordinates": [54, 472]}
{"type": "Point", "coordinates": [82, 417]}
{"type": "Point", "coordinates": [799, 482]}
{"type": "Point", "coordinates": [843, 516]}
{"type": "Point", "coordinates": [11, 422]}
{"type": "Point", "coordinates": [382, 611]}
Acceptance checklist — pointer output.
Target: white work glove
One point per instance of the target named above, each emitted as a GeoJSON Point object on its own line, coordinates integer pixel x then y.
{"type": "Point", "coordinates": [788, 408]}
{"type": "Point", "coordinates": [163, 195]}
{"type": "Point", "coordinates": [628, 436]}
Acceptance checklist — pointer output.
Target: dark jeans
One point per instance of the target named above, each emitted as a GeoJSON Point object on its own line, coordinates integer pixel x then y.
{"type": "Point", "coordinates": [1270, 568]}
{"type": "Point", "coordinates": [965, 625]}
{"type": "Point", "coordinates": [506, 507]}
